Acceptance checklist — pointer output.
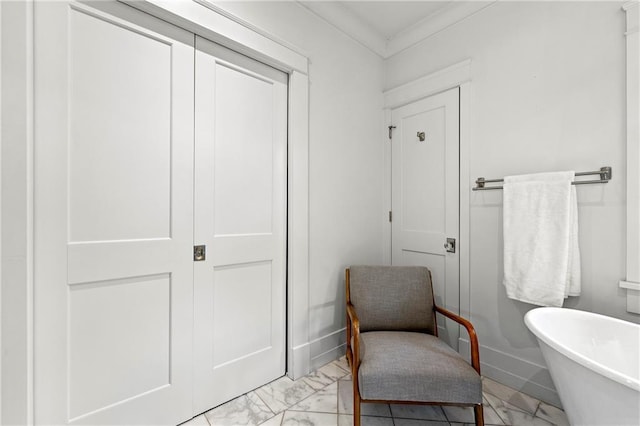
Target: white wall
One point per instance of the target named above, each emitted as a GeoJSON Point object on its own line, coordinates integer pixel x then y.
{"type": "Point", "coordinates": [547, 93]}
{"type": "Point", "coordinates": [345, 158]}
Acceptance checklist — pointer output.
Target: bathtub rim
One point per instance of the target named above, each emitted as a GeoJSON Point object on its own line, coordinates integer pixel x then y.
{"type": "Point", "coordinates": [608, 372]}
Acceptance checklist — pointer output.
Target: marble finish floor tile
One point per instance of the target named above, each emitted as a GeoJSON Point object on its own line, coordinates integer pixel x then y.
{"type": "Point", "coordinates": [326, 375]}
{"type": "Point", "coordinates": [274, 421]}
{"type": "Point", "coordinates": [323, 401]}
{"type": "Point", "coordinates": [414, 422]}
{"type": "Point", "coordinates": [247, 409]}
{"type": "Point", "coordinates": [552, 414]}
{"type": "Point", "coordinates": [283, 393]}
{"type": "Point", "coordinates": [418, 412]}
{"type": "Point", "coordinates": [347, 420]}
{"type": "Point", "coordinates": [325, 398]}
{"type": "Point", "coordinates": [299, 418]}
{"type": "Point", "coordinates": [524, 402]}
{"type": "Point", "coordinates": [466, 415]}
{"type": "Point", "coordinates": [511, 415]}
{"type": "Point", "coordinates": [463, 415]}
{"type": "Point", "coordinates": [343, 363]}
{"type": "Point", "coordinates": [345, 402]}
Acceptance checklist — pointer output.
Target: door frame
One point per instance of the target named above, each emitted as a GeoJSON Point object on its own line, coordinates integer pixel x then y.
{"type": "Point", "coordinates": [17, 165]}
{"type": "Point", "coordinates": [456, 75]}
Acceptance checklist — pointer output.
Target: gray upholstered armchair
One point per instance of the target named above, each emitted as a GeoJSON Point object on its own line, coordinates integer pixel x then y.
{"type": "Point", "coordinates": [392, 344]}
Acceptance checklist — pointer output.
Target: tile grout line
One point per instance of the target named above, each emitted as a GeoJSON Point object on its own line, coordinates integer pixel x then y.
{"type": "Point", "coordinates": [535, 413]}
{"type": "Point", "coordinates": [264, 402]}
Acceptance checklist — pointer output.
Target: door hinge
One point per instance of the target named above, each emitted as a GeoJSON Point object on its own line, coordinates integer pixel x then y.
{"type": "Point", "coordinates": [391, 130]}
{"type": "Point", "coordinates": [199, 253]}
{"type": "Point", "coordinates": [390, 216]}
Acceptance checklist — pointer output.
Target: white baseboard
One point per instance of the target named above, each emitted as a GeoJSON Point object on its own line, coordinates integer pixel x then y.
{"type": "Point", "coordinates": [308, 357]}
{"type": "Point", "coordinates": [327, 348]}
{"type": "Point", "coordinates": [517, 373]}
{"type": "Point", "coordinates": [298, 364]}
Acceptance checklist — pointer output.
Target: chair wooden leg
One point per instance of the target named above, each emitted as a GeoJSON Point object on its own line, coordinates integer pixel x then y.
{"type": "Point", "coordinates": [479, 413]}
{"type": "Point", "coordinates": [356, 406]}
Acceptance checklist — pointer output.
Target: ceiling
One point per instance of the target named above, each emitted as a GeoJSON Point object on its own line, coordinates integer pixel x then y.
{"type": "Point", "coordinates": [388, 27]}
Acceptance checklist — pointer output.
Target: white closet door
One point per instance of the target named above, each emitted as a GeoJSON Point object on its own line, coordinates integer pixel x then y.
{"type": "Point", "coordinates": [113, 216]}
{"type": "Point", "coordinates": [240, 207]}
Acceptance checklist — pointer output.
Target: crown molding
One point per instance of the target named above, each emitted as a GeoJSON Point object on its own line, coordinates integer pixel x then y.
{"type": "Point", "coordinates": [347, 22]}
{"type": "Point", "coordinates": [433, 24]}
{"type": "Point", "coordinates": [342, 18]}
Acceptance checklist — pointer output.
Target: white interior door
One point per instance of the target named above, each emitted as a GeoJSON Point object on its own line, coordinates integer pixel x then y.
{"type": "Point", "coordinates": [425, 200]}
{"type": "Point", "coordinates": [240, 207]}
{"type": "Point", "coordinates": [113, 216]}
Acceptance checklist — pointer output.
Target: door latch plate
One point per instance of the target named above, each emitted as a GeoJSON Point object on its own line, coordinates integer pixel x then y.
{"type": "Point", "coordinates": [450, 246]}
{"type": "Point", "coordinates": [199, 253]}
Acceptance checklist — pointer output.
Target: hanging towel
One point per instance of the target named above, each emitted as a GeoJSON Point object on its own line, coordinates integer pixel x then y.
{"type": "Point", "coordinates": [541, 252]}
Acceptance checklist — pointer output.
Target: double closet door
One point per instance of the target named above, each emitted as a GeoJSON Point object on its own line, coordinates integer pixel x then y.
{"type": "Point", "coordinates": [150, 141]}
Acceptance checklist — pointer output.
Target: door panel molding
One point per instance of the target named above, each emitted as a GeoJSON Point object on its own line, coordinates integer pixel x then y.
{"type": "Point", "coordinates": [109, 317]}
{"type": "Point", "coordinates": [240, 215]}
{"type": "Point", "coordinates": [18, 165]}
{"type": "Point", "coordinates": [456, 75]}
{"type": "Point", "coordinates": [221, 27]}
{"type": "Point", "coordinates": [425, 200]}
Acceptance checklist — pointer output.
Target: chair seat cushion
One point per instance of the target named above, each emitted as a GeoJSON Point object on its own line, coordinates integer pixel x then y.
{"type": "Point", "coordinates": [408, 366]}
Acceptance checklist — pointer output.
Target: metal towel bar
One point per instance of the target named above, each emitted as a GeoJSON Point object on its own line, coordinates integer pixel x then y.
{"type": "Point", "coordinates": [604, 173]}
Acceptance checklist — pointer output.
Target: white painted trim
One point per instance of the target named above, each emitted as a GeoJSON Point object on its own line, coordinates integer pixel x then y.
{"type": "Point", "coordinates": [342, 18]}
{"type": "Point", "coordinates": [433, 24]}
{"type": "Point", "coordinates": [219, 8]}
{"type": "Point", "coordinates": [456, 75]}
{"type": "Point", "coordinates": [630, 285]}
{"type": "Point", "coordinates": [301, 365]}
{"type": "Point", "coordinates": [298, 362]}
{"type": "Point", "coordinates": [386, 189]}
{"type": "Point", "coordinates": [17, 213]}
{"type": "Point", "coordinates": [1, 101]}
{"type": "Point", "coordinates": [465, 200]}
{"type": "Point", "coordinates": [349, 23]}
{"type": "Point", "coordinates": [328, 348]}
{"type": "Point", "coordinates": [215, 24]}
{"type": "Point", "coordinates": [438, 81]}
{"type": "Point", "coordinates": [633, 296]}
{"type": "Point", "coordinates": [632, 10]}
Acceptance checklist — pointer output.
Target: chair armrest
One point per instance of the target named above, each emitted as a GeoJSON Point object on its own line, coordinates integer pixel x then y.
{"type": "Point", "coordinates": [473, 337]}
{"type": "Point", "coordinates": [353, 330]}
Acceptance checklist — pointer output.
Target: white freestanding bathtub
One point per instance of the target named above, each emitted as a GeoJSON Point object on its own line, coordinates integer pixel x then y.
{"type": "Point", "coordinates": [594, 361]}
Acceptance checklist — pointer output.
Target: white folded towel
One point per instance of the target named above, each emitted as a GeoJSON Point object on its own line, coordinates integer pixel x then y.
{"type": "Point", "coordinates": [541, 252]}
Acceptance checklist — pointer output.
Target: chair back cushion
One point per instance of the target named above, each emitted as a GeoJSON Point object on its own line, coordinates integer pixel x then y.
{"type": "Point", "coordinates": [388, 298]}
